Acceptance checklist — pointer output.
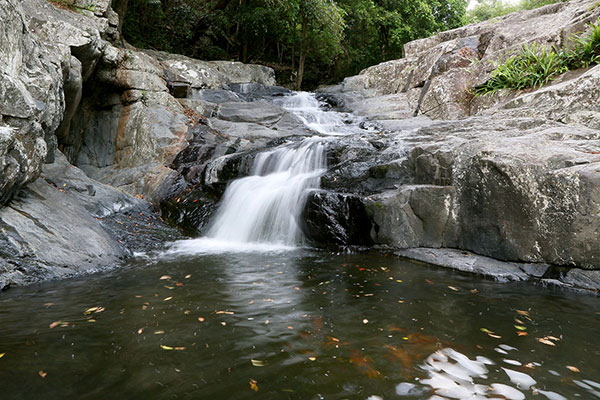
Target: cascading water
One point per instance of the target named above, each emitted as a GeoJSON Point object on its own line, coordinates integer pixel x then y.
{"type": "Point", "coordinates": [265, 207]}
{"type": "Point", "coordinates": [261, 212]}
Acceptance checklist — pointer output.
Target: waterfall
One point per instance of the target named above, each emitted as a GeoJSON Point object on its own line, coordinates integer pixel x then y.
{"type": "Point", "coordinates": [265, 207]}
{"type": "Point", "coordinates": [261, 212]}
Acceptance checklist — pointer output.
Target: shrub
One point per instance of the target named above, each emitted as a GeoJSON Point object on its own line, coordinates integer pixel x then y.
{"type": "Point", "coordinates": [535, 65]}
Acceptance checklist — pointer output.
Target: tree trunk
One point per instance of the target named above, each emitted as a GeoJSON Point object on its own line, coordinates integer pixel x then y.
{"type": "Point", "coordinates": [302, 55]}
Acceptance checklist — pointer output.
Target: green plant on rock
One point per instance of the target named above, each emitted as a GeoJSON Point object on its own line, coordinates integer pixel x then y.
{"type": "Point", "coordinates": [536, 65]}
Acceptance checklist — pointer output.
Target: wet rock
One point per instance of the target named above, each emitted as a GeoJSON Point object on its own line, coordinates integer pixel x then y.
{"type": "Point", "coordinates": [66, 224]}
{"type": "Point", "coordinates": [336, 218]}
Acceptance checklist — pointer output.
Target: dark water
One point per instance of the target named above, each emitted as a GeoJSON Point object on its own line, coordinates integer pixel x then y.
{"type": "Point", "coordinates": [317, 326]}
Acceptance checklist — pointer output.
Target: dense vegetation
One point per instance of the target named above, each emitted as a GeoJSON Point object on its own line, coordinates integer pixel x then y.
{"type": "Point", "coordinates": [307, 41]}
{"type": "Point", "coordinates": [536, 65]}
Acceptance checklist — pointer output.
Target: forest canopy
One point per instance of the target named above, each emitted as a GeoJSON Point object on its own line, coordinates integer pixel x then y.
{"type": "Point", "coordinates": [307, 42]}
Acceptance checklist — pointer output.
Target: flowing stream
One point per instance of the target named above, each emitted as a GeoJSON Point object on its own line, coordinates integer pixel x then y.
{"type": "Point", "coordinates": [248, 314]}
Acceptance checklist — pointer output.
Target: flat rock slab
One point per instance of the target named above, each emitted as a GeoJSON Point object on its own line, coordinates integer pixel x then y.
{"type": "Point", "coordinates": [503, 271]}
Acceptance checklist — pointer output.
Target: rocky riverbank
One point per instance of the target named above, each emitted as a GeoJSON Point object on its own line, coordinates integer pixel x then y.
{"type": "Point", "coordinates": [96, 138]}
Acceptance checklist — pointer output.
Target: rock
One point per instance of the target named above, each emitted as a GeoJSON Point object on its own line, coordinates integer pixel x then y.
{"type": "Point", "coordinates": [41, 230]}
{"type": "Point", "coordinates": [335, 218]}
{"type": "Point", "coordinates": [31, 105]}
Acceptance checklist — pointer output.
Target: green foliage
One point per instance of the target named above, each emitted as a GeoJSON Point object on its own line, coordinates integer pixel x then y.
{"type": "Point", "coordinates": [341, 37]}
{"type": "Point", "coordinates": [536, 65]}
{"type": "Point", "coordinates": [488, 9]}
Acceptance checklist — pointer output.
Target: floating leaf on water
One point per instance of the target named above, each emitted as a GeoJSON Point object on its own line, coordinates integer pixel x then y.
{"type": "Point", "coordinates": [253, 385]}
{"type": "Point", "coordinates": [42, 373]}
{"type": "Point", "coordinates": [140, 331]}
{"type": "Point", "coordinates": [486, 330]}
{"type": "Point", "coordinates": [546, 341]}
{"type": "Point", "coordinates": [399, 280]}
{"type": "Point", "coordinates": [48, 304]}
{"type": "Point", "coordinates": [2, 355]}
{"type": "Point", "coordinates": [188, 276]}
{"type": "Point", "coordinates": [159, 332]}
{"type": "Point", "coordinates": [365, 321]}
{"type": "Point", "coordinates": [55, 324]}
{"type": "Point", "coordinates": [168, 298]}
{"type": "Point", "coordinates": [520, 328]}
{"type": "Point", "coordinates": [522, 312]}
{"type": "Point", "coordinates": [162, 346]}
{"type": "Point", "coordinates": [258, 363]}
{"type": "Point", "coordinates": [494, 336]}
{"type": "Point", "coordinates": [266, 322]}
{"type": "Point", "coordinates": [453, 288]}
{"type": "Point", "coordinates": [165, 277]}
{"type": "Point", "coordinates": [333, 339]}
{"type": "Point", "coordinates": [552, 338]}
{"type": "Point", "coordinates": [290, 327]}
{"type": "Point", "coordinates": [223, 323]}
{"type": "Point", "coordinates": [201, 319]}
{"type": "Point", "coordinates": [521, 333]}
{"type": "Point", "coordinates": [312, 358]}
{"type": "Point", "coordinates": [93, 310]}
{"type": "Point", "coordinates": [572, 368]}
{"type": "Point", "coordinates": [225, 312]}
{"type": "Point", "coordinates": [428, 281]}
{"type": "Point", "coordinates": [180, 348]}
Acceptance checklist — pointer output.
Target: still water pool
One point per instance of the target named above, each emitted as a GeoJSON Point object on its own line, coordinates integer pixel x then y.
{"type": "Point", "coordinates": [297, 324]}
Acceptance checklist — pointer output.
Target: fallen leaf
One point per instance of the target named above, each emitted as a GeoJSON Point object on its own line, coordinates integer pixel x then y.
{"type": "Point", "coordinates": [312, 358]}
{"type": "Point", "coordinates": [494, 336]}
{"type": "Point", "coordinates": [520, 328]}
{"type": "Point", "coordinates": [453, 288]}
{"type": "Point", "coordinates": [223, 323]}
{"type": "Point", "coordinates": [165, 277]}
{"type": "Point", "coordinates": [2, 355]}
{"type": "Point", "coordinates": [55, 324]}
{"type": "Point", "coordinates": [159, 332]}
{"type": "Point", "coordinates": [253, 385]}
{"type": "Point", "coordinates": [180, 348]}
{"type": "Point", "coordinates": [486, 330]}
{"type": "Point", "coordinates": [365, 321]}
{"type": "Point", "coordinates": [258, 363]}
{"type": "Point", "coordinates": [48, 304]}
{"type": "Point", "coordinates": [200, 319]}
{"type": "Point", "coordinates": [521, 333]}
{"type": "Point", "coordinates": [42, 374]}
{"type": "Point", "coordinates": [93, 310]}
{"type": "Point", "coordinates": [188, 276]}
{"type": "Point", "coordinates": [162, 346]}
{"type": "Point", "coordinates": [225, 312]}
{"type": "Point", "coordinates": [168, 298]}
{"type": "Point", "coordinates": [140, 331]}
{"type": "Point", "coordinates": [572, 368]}
{"type": "Point", "coordinates": [545, 341]}
{"type": "Point", "coordinates": [521, 312]}
{"type": "Point", "coordinates": [428, 281]}
{"type": "Point", "coordinates": [474, 291]}
{"type": "Point", "coordinates": [552, 338]}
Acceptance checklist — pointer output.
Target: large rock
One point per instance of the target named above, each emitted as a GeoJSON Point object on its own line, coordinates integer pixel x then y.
{"type": "Point", "coordinates": [438, 72]}
{"type": "Point", "coordinates": [66, 224]}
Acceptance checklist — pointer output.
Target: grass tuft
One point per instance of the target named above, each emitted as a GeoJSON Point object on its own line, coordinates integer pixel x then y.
{"type": "Point", "coordinates": [536, 65]}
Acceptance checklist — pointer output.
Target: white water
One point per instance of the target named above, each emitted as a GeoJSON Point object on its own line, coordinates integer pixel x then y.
{"type": "Point", "coordinates": [307, 108]}
{"type": "Point", "coordinates": [262, 212]}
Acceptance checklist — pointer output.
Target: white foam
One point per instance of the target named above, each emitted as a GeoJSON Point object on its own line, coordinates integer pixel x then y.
{"type": "Point", "coordinates": [216, 246]}
{"type": "Point", "coordinates": [522, 380]}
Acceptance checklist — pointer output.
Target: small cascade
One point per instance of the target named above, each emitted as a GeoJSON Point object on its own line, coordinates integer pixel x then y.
{"type": "Point", "coordinates": [265, 207]}
{"type": "Point", "coordinates": [306, 107]}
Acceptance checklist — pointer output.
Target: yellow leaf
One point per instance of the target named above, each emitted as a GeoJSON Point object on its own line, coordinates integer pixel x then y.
{"type": "Point", "coordinates": [180, 348]}
{"type": "Point", "coordinates": [486, 330]}
{"type": "Point", "coordinates": [520, 328]}
{"type": "Point", "coordinates": [188, 276]}
{"type": "Point", "coordinates": [572, 368]}
{"type": "Point", "coordinates": [453, 288]}
{"type": "Point", "coordinates": [159, 332]}
{"type": "Point", "coordinates": [42, 374]}
{"type": "Point", "coordinates": [168, 298]}
{"type": "Point", "coordinates": [162, 346]}
{"type": "Point", "coordinates": [258, 363]}
{"type": "Point", "coordinates": [522, 312]}
{"type": "Point", "coordinates": [253, 385]}
{"type": "Point", "coordinates": [165, 277]}
{"type": "Point", "coordinates": [225, 312]}
{"type": "Point", "coordinates": [2, 355]}
{"type": "Point", "coordinates": [200, 319]}
{"type": "Point", "coordinates": [312, 358]}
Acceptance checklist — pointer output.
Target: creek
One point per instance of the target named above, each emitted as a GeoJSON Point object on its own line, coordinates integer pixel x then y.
{"type": "Point", "coordinates": [250, 312]}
